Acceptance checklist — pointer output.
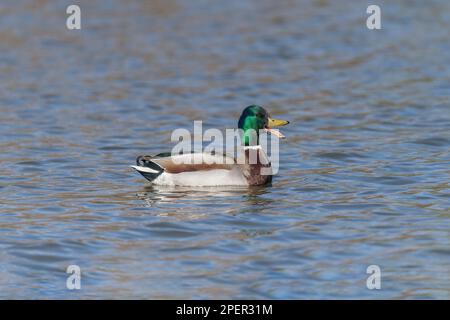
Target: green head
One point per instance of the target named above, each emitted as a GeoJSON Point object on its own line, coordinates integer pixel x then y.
{"type": "Point", "coordinates": [255, 118]}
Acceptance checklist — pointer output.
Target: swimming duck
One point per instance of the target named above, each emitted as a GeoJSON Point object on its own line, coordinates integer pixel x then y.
{"type": "Point", "coordinates": [211, 169]}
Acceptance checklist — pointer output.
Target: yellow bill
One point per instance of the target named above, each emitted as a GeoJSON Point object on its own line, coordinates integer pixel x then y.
{"type": "Point", "coordinates": [275, 123]}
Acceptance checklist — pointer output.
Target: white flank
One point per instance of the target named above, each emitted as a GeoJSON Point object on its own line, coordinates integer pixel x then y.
{"type": "Point", "coordinates": [208, 178]}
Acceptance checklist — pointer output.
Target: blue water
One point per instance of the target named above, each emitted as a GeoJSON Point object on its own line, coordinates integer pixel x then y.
{"type": "Point", "coordinates": [364, 171]}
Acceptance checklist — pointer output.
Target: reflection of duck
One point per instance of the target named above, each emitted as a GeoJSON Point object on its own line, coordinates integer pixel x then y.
{"type": "Point", "coordinates": [204, 169]}
{"type": "Point", "coordinates": [154, 195]}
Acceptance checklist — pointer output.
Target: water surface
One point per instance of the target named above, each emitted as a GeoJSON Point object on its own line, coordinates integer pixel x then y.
{"type": "Point", "coordinates": [364, 174]}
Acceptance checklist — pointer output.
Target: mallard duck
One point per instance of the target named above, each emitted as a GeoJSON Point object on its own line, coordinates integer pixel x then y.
{"type": "Point", "coordinates": [209, 169]}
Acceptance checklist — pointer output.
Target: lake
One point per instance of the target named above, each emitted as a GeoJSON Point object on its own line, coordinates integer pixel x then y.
{"type": "Point", "coordinates": [364, 172]}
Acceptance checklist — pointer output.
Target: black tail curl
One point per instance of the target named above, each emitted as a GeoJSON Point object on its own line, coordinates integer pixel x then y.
{"type": "Point", "coordinates": [143, 161]}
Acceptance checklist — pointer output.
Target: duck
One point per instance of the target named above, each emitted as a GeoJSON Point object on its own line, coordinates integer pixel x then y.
{"type": "Point", "coordinates": [251, 167]}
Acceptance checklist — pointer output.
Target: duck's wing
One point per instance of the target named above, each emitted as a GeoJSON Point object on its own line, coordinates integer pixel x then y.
{"type": "Point", "coordinates": [194, 162]}
{"type": "Point", "coordinates": [186, 162]}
